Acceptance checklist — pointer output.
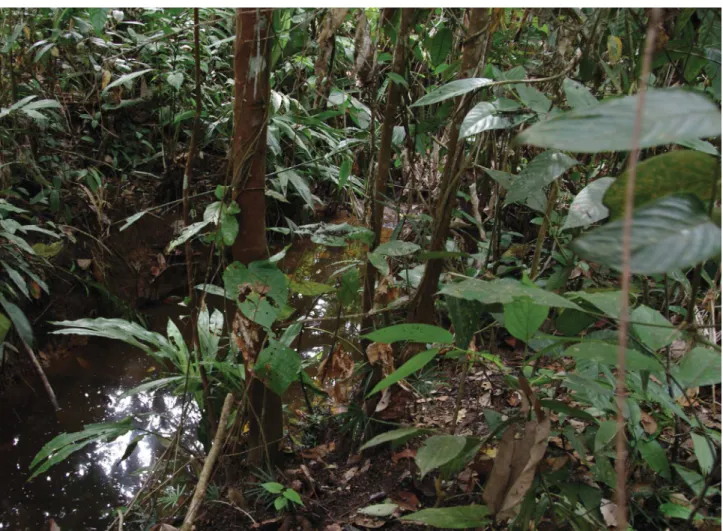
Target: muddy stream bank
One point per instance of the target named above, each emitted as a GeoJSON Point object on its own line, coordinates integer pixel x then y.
{"type": "Point", "coordinates": [89, 380]}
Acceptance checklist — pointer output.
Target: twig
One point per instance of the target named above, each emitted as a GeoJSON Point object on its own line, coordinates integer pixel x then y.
{"type": "Point", "coordinates": [621, 444]}
{"type": "Point", "coordinates": [41, 374]}
{"type": "Point", "coordinates": [203, 480]}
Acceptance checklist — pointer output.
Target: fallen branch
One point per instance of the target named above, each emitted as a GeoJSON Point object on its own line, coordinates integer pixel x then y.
{"type": "Point", "coordinates": [41, 374]}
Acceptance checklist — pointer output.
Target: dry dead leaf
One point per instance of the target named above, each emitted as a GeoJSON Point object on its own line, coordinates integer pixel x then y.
{"type": "Point", "coordinates": [381, 353]}
{"type": "Point", "coordinates": [317, 453]}
{"type": "Point", "coordinates": [329, 25]}
{"type": "Point", "coordinates": [333, 527]}
{"type": "Point", "coordinates": [384, 401]}
{"type": "Point", "coordinates": [406, 500]}
{"type": "Point", "coordinates": [648, 422]}
{"type": "Point", "coordinates": [608, 510]}
{"type": "Point", "coordinates": [84, 263]}
{"type": "Point", "coordinates": [339, 365]}
{"type": "Point", "coordinates": [368, 522]}
{"type": "Point", "coordinates": [404, 454]}
{"type": "Point", "coordinates": [350, 474]}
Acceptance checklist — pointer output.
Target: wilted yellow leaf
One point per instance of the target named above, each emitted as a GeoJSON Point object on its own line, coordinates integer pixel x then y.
{"type": "Point", "coordinates": [105, 79]}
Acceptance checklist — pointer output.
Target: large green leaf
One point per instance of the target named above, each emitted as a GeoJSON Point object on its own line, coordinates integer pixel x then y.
{"type": "Point", "coordinates": [676, 172]}
{"type": "Point", "coordinates": [438, 450]}
{"type": "Point", "coordinates": [397, 248]}
{"type": "Point", "coordinates": [463, 517]}
{"type": "Point", "coordinates": [541, 171]}
{"type": "Point", "coordinates": [699, 367]}
{"type": "Point", "coordinates": [605, 434]}
{"type": "Point", "coordinates": [669, 116]}
{"type": "Point", "coordinates": [126, 78]}
{"type": "Point", "coordinates": [578, 96]}
{"type": "Point", "coordinates": [439, 46]}
{"type": "Point", "coordinates": [587, 207]}
{"type": "Point", "coordinates": [655, 456]}
{"type": "Point", "coordinates": [607, 354]}
{"type": "Point", "coordinates": [669, 234]}
{"type": "Point", "coordinates": [417, 332]}
{"type": "Point", "coordinates": [278, 366]}
{"type": "Point", "coordinates": [20, 322]}
{"type": "Point", "coordinates": [534, 99]}
{"type": "Point", "coordinates": [703, 452]}
{"type": "Point", "coordinates": [658, 334]}
{"type": "Point", "coordinates": [483, 117]}
{"type": "Point", "coordinates": [465, 315]}
{"type": "Point", "coordinates": [97, 18]}
{"type": "Point", "coordinates": [504, 291]}
{"type": "Point", "coordinates": [263, 289]}
{"type": "Point", "coordinates": [391, 436]}
{"type": "Point", "coordinates": [410, 367]}
{"type": "Point", "coordinates": [451, 90]}
{"type": "Point", "coordinates": [523, 318]}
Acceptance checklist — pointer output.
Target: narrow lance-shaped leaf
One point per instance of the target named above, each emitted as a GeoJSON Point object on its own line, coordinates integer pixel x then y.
{"type": "Point", "coordinates": [669, 116]}
{"type": "Point", "coordinates": [669, 234]}
{"type": "Point", "coordinates": [451, 90]}
{"type": "Point", "coordinates": [125, 79]}
{"type": "Point", "coordinates": [410, 367]}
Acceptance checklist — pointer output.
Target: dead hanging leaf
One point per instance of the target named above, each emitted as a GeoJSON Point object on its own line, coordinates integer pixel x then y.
{"type": "Point", "coordinates": [404, 454]}
{"type": "Point", "coordinates": [329, 25]}
{"type": "Point", "coordinates": [34, 289]}
{"type": "Point", "coordinates": [381, 353]}
{"type": "Point", "coordinates": [105, 79]}
{"type": "Point", "coordinates": [515, 466]}
{"type": "Point", "coordinates": [406, 500]}
{"type": "Point", "coordinates": [363, 51]}
{"type": "Point", "coordinates": [245, 334]}
{"type": "Point", "coordinates": [648, 422]}
{"type": "Point", "coordinates": [84, 263]}
{"type": "Point", "coordinates": [339, 365]}
{"type": "Point", "coordinates": [608, 510]}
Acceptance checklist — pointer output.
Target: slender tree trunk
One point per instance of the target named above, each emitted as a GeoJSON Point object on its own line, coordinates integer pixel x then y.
{"type": "Point", "coordinates": [422, 307]}
{"type": "Point", "coordinates": [385, 159]}
{"type": "Point", "coordinates": [252, 94]}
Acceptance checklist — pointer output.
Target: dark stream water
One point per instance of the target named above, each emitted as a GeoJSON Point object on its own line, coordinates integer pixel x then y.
{"type": "Point", "coordinates": [83, 492]}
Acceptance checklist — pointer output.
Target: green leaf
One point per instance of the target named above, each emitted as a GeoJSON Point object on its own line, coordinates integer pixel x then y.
{"type": "Point", "coordinates": [291, 494]}
{"type": "Point", "coordinates": [700, 145]}
{"type": "Point", "coordinates": [393, 435]}
{"type": "Point", "coordinates": [655, 456]}
{"type": "Point", "coordinates": [380, 510]}
{"type": "Point", "coordinates": [42, 104]}
{"type": "Point", "coordinates": [278, 366]}
{"type": "Point", "coordinates": [703, 453]}
{"type": "Point", "coordinates": [669, 116]}
{"type": "Point", "coordinates": [668, 234]}
{"type": "Point", "coordinates": [605, 434]}
{"type": "Point", "coordinates": [263, 286]}
{"type": "Point", "coordinates": [439, 46]}
{"type": "Point", "coordinates": [673, 510]}
{"type": "Point", "coordinates": [504, 291]}
{"type": "Point", "coordinates": [578, 96]}
{"type": "Point", "coordinates": [653, 337]}
{"type": "Point", "coordinates": [438, 450]}
{"type": "Point", "coordinates": [541, 171]}
{"type": "Point", "coordinates": [453, 89]}
{"type": "Point", "coordinates": [533, 98]}
{"type": "Point", "coordinates": [606, 301]}
{"type": "Point", "coordinates": [125, 79]}
{"type": "Point", "coordinates": [280, 503]}
{"type": "Point", "coordinates": [695, 481]}
{"type": "Point", "coordinates": [410, 367]}
{"type": "Point", "coordinates": [397, 248]}
{"type": "Point", "coordinates": [523, 318]}
{"type": "Point", "coordinates": [132, 219]}
{"type": "Point", "coordinates": [380, 262]}
{"type": "Point", "coordinates": [273, 487]}
{"type": "Point", "coordinates": [607, 354]}
{"type": "Point", "coordinates": [399, 80]}
{"type": "Point", "coordinates": [482, 117]}
{"type": "Point", "coordinates": [699, 367]}
{"type": "Point", "coordinates": [17, 279]}
{"type": "Point", "coordinates": [676, 172]}
{"type": "Point", "coordinates": [5, 325]}
{"type": "Point", "coordinates": [153, 385]}
{"type": "Point", "coordinates": [20, 322]}
{"type": "Point", "coordinates": [587, 207]}
{"type": "Point", "coordinates": [309, 288]}
{"type": "Point", "coordinates": [463, 517]}
{"type": "Point", "coordinates": [175, 79]}
{"type": "Point", "coordinates": [97, 18]}
{"type": "Point", "coordinates": [465, 315]}
{"type": "Point", "coordinates": [561, 407]}
{"type": "Point", "coordinates": [349, 289]}
{"type": "Point", "coordinates": [187, 233]}
{"type": "Point", "coordinates": [344, 171]}
{"type": "Point", "coordinates": [417, 332]}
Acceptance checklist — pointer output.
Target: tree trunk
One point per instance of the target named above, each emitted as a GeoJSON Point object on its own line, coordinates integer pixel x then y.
{"type": "Point", "coordinates": [422, 307]}
{"type": "Point", "coordinates": [385, 159]}
{"type": "Point", "coordinates": [252, 57]}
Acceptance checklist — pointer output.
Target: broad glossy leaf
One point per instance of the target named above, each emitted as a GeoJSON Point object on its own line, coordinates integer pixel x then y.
{"type": "Point", "coordinates": [417, 332]}
{"type": "Point", "coordinates": [451, 90]}
{"type": "Point", "coordinates": [699, 367]}
{"type": "Point", "coordinates": [533, 98]}
{"type": "Point", "coordinates": [655, 456]}
{"type": "Point", "coordinates": [541, 171]}
{"type": "Point", "coordinates": [397, 248]}
{"type": "Point", "coordinates": [607, 354]}
{"type": "Point", "coordinates": [438, 450]}
{"type": "Point", "coordinates": [676, 172]}
{"type": "Point", "coordinates": [661, 332]}
{"type": "Point", "coordinates": [587, 207]}
{"type": "Point", "coordinates": [277, 366]}
{"type": "Point", "coordinates": [699, 145]}
{"type": "Point", "coordinates": [410, 367]}
{"type": "Point", "coordinates": [125, 79]}
{"type": "Point", "coordinates": [673, 510]}
{"type": "Point", "coordinates": [393, 435]}
{"type": "Point", "coordinates": [483, 117]}
{"type": "Point", "coordinates": [175, 79]}
{"type": "Point", "coordinates": [669, 116]}
{"type": "Point", "coordinates": [439, 46]}
{"type": "Point", "coordinates": [462, 517]}
{"type": "Point", "coordinates": [669, 234]}
{"type": "Point", "coordinates": [504, 291]}
{"type": "Point", "coordinates": [523, 318]}
{"type": "Point", "coordinates": [577, 94]}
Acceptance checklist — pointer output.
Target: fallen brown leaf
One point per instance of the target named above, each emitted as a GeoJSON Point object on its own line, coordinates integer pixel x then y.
{"type": "Point", "coordinates": [648, 422]}
{"type": "Point", "coordinates": [406, 500]}
{"type": "Point", "coordinates": [407, 453]}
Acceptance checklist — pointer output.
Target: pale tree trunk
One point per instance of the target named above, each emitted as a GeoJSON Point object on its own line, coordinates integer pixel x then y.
{"type": "Point", "coordinates": [422, 307]}
{"type": "Point", "coordinates": [252, 58]}
{"type": "Point", "coordinates": [385, 158]}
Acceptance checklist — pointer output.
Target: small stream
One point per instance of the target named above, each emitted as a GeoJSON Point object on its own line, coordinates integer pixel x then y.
{"type": "Point", "coordinates": [83, 492]}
